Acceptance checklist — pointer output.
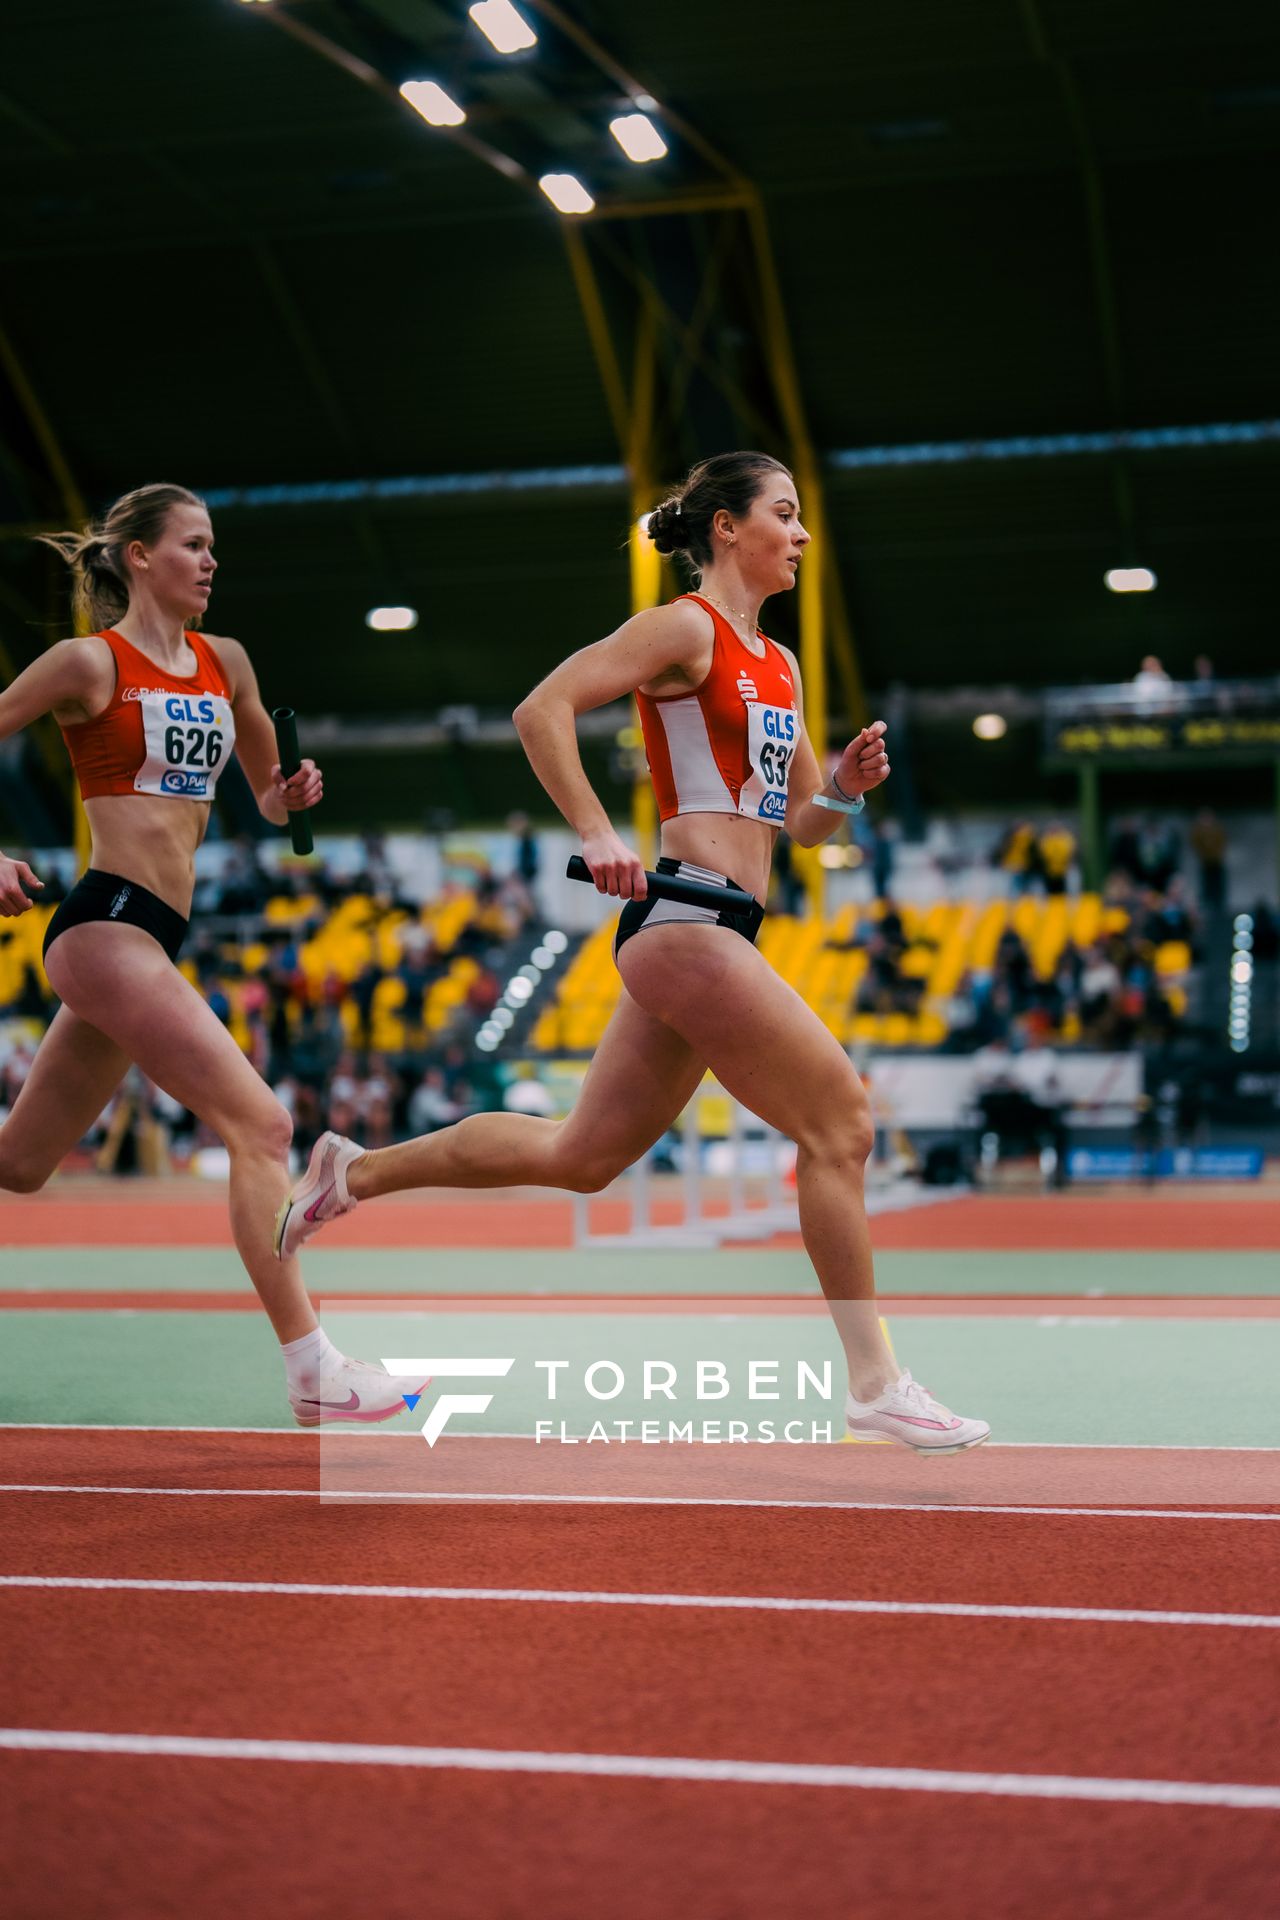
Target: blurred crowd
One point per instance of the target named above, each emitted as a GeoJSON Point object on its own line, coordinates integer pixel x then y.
{"type": "Point", "coordinates": [356, 1004]}
{"type": "Point", "coordinates": [1125, 987]}
{"type": "Point", "coordinates": [360, 1006]}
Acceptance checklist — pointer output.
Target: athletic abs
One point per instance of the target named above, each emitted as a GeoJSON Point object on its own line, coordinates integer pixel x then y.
{"type": "Point", "coordinates": [149, 840]}
{"type": "Point", "coordinates": [725, 842]}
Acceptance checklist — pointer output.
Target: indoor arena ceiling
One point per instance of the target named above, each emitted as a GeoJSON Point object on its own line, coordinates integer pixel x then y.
{"type": "Point", "coordinates": [233, 257]}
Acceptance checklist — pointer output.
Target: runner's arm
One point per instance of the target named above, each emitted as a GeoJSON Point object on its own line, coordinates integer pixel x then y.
{"type": "Point", "coordinates": [662, 642]}
{"type": "Point", "coordinates": [863, 764]}
{"type": "Point", "coordinates": [66, 677]}
{"type": "Point", "coordinates": [256, 743]}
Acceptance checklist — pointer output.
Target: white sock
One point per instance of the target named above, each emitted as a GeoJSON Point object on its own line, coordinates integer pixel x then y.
{"type": "Point", "coordinates": [306, 1360]}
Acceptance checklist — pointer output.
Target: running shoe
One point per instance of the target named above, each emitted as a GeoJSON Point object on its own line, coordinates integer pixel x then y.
{"type": "Point", "coordinates": [908, 1413]}
{"type": "Point", "coordinates": [354, 1390]}
{"type": "Point", "coordinates": [320, 1196]}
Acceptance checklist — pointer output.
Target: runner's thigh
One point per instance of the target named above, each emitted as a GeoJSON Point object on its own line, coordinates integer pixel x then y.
{"type": "Point", "coordinates": [764, 1045]}
{"type": "Point", "coordinates": [120, 978]}
{"type": "Point", "coordinates": [642, 1077]}
{"type": "Point", "coordinates": [75, 1072]}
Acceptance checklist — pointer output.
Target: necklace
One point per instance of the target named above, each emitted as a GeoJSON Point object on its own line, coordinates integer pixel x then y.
{"type": "Point", "coordinates": [737, 612]}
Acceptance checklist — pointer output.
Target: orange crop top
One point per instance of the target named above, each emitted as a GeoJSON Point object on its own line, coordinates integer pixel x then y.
{"type": "Point", "coordinates": [161, 733]}
{"type": "Point", "coordinates": [726, 746]}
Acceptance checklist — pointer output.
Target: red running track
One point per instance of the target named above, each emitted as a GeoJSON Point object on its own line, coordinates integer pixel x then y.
{"type": "Point", "coordinates": [122, 1837]}
{"type": "Point", "coordinates": [188, 1215]}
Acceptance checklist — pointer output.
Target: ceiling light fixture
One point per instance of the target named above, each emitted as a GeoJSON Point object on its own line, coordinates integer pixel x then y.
{"type": "Point", "coordinates": [639, 139]}
{"type": "Point", "coordinates": [1129, 579]}
{"type": "Point", "coordinates": [566, 191]}
{"type": "Point", "coordinates": [502, 26]}
{"type": "Point", "coordinates": [391, 619]}
{"type": "Point", "coordinates": [433, 103]}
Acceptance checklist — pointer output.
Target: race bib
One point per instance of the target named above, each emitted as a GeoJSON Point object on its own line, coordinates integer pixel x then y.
{"type": "Point", "coordinates": [772, 734]}
{"type": "Point", "coordinates": [188, 739]}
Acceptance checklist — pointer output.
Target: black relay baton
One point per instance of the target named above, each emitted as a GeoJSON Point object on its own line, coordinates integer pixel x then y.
{"type": "Point", "coordinates": [286, 725]}
{"type": "Point", "coordinates": [673, 886]}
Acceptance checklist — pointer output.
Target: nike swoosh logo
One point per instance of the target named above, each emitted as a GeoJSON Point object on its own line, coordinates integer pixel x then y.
{"type": "Point", "coordinates": [348, 1405]}
{"type": "Point", "coordinates": [314, 1209]}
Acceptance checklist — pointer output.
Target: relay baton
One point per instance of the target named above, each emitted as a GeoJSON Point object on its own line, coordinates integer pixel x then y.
{"type": "Point", "coordinates": [286, 725]}
{"type": "Point", "coordinates": [673, 886]}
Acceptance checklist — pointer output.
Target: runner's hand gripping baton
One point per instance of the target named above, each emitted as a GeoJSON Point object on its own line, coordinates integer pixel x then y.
{"type": "Point", "coordinates": [286, 725]}
{"type": "Point", "coordinates": [673, 886]}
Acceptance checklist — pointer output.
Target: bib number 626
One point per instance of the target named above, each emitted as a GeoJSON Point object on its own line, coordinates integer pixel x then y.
{"type": "Point", "coordinates": [192, 747]}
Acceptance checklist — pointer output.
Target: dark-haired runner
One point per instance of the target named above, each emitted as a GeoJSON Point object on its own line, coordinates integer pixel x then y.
{"type": "Point", "coordinates": [723, 723]}
{"type": "Point", "coordinates": [151, 710]}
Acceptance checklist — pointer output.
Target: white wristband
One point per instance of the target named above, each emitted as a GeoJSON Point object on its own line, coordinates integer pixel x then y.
{"type": "Point", "coordinates": [840, 805]}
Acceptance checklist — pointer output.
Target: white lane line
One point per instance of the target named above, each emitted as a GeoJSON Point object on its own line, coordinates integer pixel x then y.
{"type": "Point", "coordinates": [413, 1433]}
{"type": "Point", "coordinates": [627, 1766]}
{"type": "Point", "coordinates": [558, 1596]}
{"type": "Point", "coordinates": [341, 1498]}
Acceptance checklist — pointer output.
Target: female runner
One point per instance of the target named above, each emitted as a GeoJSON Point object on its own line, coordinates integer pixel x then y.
{"type": "Point", "coordinates": [723, 724]}
{"type": "Point", "coordinates": [150, 710]}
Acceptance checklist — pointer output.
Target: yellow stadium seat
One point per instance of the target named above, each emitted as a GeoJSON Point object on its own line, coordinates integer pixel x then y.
{"type": "Point", "coordinates": [1087, 921]}
{"type": "Point", "coordinates": [546, 1033]}
{"type": "Point", "coordinates": [986, 935]}
{"type": "Point", "coordinates": [1172, 957]}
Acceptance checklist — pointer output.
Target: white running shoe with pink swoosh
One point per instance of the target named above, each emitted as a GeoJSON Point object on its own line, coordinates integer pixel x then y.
{"type": "Point", "coordinates": [355, 1390]}
{"type": "Point", "coordinates": [320, 1196]}
{"type": "Point", "coordinates": [908, 1413]}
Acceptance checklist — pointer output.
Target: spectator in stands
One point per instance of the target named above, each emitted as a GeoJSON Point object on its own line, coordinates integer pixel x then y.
{"type": "Point", "coordinates": [1013, 968]}
{"type": "Point", "coordinates": [431, 1105]}
{"type": "Point", "coordinates": [1152, 686]}
{"type": "Point", "coordinates": [377, 876]}
{"type": "Point", "coordinates": [1122, 850]}
{"type": "Point", "coordinates": [883, 988]}
{"type": "Point", "coordinates": [362, 990]}
{"type": "Point", "coordinates": [1159, 854]}
{"type": "Point", "coordinates": [376, 1092]}
{"type": "Point", "coordinates": [1015, 855]}
{"type": "Point", "coordinates": [1170, 917]}
{"type": "Point", "coordinates": [344, 1095]}
{"type": "Point", "coordinates": [418, 967]}
{"type": "Point", "coordinates": [1209, 845]}
{"type": "Point", "coordinates": [1146, 852]}
{"type": "Point", "coordinates": [243, 887]}
{"type": "Point", "coordinates": [1099, 992]}
{"type": "Point", "coordinates": [892, 928]}
{"type": "Point", "coordinates": [528, 860]}
{"type": "Point", "coordinates": [883, 848]}
{"type": "Point", "coordinates": [484, 992]}
{"type": "Point", "coordinates": [1055, 854]}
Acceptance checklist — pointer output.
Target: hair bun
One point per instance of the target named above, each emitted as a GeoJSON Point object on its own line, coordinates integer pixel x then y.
{"type": "Point", "coordinates": [667, 529]}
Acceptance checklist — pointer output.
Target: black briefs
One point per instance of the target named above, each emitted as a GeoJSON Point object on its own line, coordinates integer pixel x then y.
{"type": "Point", "coordinates": [106, 896]}
{"type": "Point", "coordinates": [667, 913]}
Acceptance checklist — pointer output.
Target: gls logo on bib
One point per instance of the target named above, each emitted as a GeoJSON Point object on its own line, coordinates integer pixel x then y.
{"type": "Point", "coordinates": [188, 739]}
{"type": "Point", "coordinates": [772, 735]}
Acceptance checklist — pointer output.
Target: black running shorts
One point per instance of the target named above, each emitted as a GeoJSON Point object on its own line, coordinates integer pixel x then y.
{"type": "Point", "coordinates": [668, 913]}
{"type": "Point", "coordinates": [107, 896]}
